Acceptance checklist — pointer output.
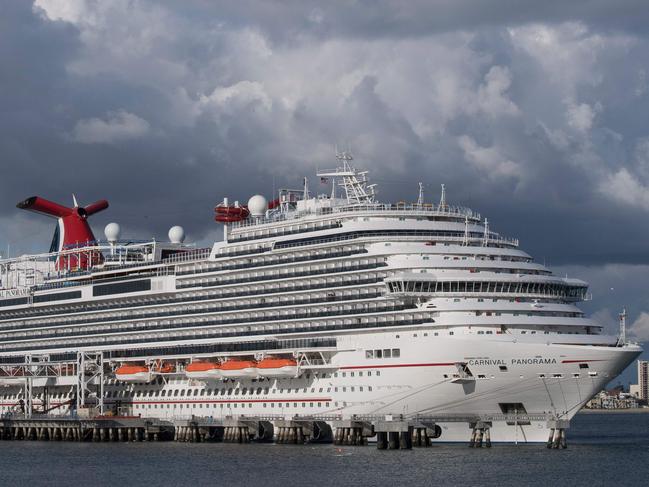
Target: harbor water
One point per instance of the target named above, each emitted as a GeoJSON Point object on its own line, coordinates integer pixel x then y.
{"type": "Point", "coordinates": [603, 449]}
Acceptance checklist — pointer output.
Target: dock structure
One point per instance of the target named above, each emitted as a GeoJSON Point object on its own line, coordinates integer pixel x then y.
{"type": "Point", "coordinates": [390, 432]}
{"type": "Point", "coordinates": [228, 430]}
{"type": "Point", "coordinates": [296, 431]}
{"type": "Point", "coordinates": [76, 429]}
{"type": "Point", "coordinates": [352, 432]}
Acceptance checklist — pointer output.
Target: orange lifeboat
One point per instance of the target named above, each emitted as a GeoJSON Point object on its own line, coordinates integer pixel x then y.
{"type": "Point", "coordinates": [239, 368]}
{"type": "Point", "coordinates": [203, 370]}
{"type": "Point", "coordinates": [133, 373]}
{"type": "Point", "coordinates": [228, 214]}
{"type": "Point", "coordinates": [277, 367]}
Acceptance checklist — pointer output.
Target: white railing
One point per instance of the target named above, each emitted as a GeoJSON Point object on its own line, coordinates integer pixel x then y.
{"type": "Point", "coordinates": [424, 209]}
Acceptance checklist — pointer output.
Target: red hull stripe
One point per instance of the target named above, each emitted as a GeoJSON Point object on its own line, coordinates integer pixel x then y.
{"type": "Point", "coordinates": [355, 367]}
{"type": "Point", "coordinates": [580, 361]}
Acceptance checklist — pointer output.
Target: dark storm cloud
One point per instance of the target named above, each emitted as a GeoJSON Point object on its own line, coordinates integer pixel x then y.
{"type": "Point", "coordinates": [533, 113]}
{"type": "Point", "coordinates": [284, 20]}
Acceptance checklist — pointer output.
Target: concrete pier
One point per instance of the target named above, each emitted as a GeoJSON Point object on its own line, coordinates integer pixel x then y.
{"type": "Point", "coordinates": [391, 433]}
{"type": "Point", "coordinates": [557, 437]}
{"type": "Point", "coordinates": [480, 432]}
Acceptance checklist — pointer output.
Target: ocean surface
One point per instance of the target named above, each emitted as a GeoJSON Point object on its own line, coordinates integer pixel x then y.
{"type": "Point", "coordinates": [603, 449]}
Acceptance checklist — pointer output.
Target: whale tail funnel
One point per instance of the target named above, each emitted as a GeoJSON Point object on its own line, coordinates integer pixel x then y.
{"type": "Point", "coordinates": [72, 230]}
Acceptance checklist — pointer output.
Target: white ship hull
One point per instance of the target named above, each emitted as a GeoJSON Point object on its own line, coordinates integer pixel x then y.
{"type": "Point", "coordinates": [545, 379]}
{"type": "Point", "coordinates": [388, 310]}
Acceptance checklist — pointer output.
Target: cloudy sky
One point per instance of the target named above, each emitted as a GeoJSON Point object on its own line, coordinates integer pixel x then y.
{"type": "Point", "coordinates": [533, 113]}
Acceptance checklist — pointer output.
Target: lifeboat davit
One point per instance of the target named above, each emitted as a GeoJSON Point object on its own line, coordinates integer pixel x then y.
{"type": "Point", "coordinates": [228, 214]}
{"type": "Point", "coordinates": [160, 367]}
{"type": "Point", "coordinates": [203, 370]}
{"type": "Point", "coordinates": [239, 368]}
{"type": "Point", "coordinates": [277, 367]}
{"type": "Point", "coordinates": [165, 368]}
{"type": "Point", "coordinates": [133, 373]}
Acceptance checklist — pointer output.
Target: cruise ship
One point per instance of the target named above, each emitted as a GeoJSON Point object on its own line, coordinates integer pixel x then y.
{"type": "Point", "coordinates": [327, 306]}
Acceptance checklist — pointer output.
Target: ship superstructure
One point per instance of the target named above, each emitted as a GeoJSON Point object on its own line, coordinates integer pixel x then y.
{"type": "Point", "coordinates": [329, 306]}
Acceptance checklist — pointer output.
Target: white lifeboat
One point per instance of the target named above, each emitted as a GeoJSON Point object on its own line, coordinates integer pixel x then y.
{"type": "Point", "coordinates": [277, 367]}
{"type": "Point", "coordinates": [203, 370]}
{"type": "Point", "coordinates": [239, 368]}
{"type": "Point", "coordinates": [133, 373]}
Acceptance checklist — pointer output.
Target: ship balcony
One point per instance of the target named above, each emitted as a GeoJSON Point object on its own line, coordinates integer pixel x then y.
{"type": "Point", "coordinates": [273, 261]}
{"type": "Point", "coordinates": [165, 300]}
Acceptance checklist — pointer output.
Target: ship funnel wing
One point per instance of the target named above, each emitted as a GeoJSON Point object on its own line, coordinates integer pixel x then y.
{"type": "Point", "coordinates": [45, 207]}
{"type": "Point", "coordinates": [96, 207]}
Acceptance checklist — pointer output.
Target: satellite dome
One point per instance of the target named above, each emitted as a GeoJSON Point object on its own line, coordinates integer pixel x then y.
{"type": "Point", "coordinates": [257, 205]}
{"type": "Point", "coordinates": [176, 234]}
{"type": "Point", "coordinates": [112, 232]}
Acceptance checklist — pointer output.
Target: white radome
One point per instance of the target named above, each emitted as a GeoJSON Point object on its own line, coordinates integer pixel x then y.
{"type": "Point", "coordinates": [112, 231]}
{"type": "Point", "coordinates": [257, 205]}
{"type": "Point", "coordinates": [176, 234]}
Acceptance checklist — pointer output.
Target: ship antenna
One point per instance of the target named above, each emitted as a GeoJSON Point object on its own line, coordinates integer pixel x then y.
{"type": "Point", "coordinates": [485, 242]}
{"type": "Point", "coordinates": [442, 200]}
{"type": "Point", "coordinates": [420, 198]}
{"type": "Point", "coordinates": [622, 338]}
{"type": "Point", "coordinates": [466, 230]}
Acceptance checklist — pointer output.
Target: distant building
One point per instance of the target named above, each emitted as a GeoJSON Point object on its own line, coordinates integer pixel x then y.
{"type": "Point", "coordinates": [643, 379]}
{"type": "Point", "coordinates": [613, 399]}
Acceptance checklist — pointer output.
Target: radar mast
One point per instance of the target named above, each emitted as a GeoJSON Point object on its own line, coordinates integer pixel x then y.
{"type": "Point", "coordinates": [354, 183]}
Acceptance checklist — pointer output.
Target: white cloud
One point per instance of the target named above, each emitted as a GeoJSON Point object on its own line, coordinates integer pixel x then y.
{"type": "Point", "coordinates": [241, 93]}
{"type": "Point", "coordinates": [68, 11]}
{"type": "Point", "coordinates": [639, 329]}
{"type": "Point", "coordinates": [488, 159]}
{"type": "Point", "coordinates": [624, 187]}
{"type": "Point", "coordinates": [580, 117]}
{"type": "Point", "coordinates": [118, 126]}
{"type": "Point", "coordinates": [569, 53]}
{"type": "Point", "coordinates": [491, 95]}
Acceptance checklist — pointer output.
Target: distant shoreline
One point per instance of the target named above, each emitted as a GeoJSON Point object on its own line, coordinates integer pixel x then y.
{"type": "Point", "coordinates": [614, 411]}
